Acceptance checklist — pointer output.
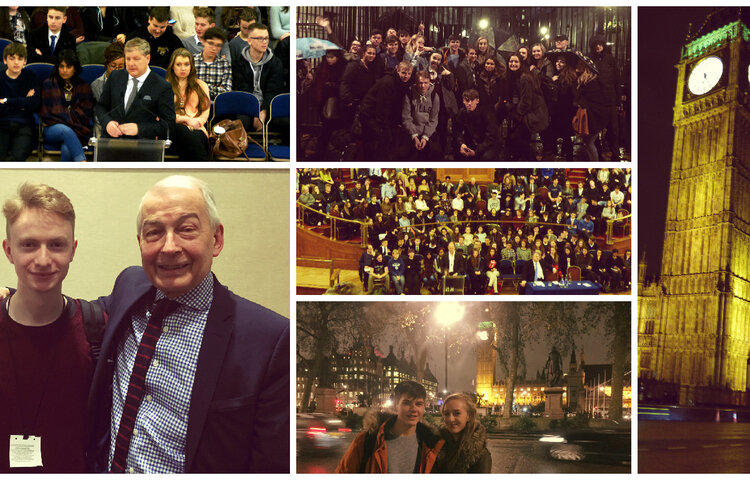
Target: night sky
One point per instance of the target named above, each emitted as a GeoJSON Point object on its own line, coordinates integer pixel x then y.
{"type": "Point", "coordinates": [661, 33]}
{"type": "Point", "coordinates": [462, 370]}
{"type": "Point", "coordinates": [462, 366]}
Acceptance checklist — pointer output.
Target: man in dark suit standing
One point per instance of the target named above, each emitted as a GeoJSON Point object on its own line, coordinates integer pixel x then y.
{"type": "Point", "coordinates": [135, 102]}
{"type": "Point", "coordinates": [46, 41]}
{"type": "Point", "coordinates": [532, 271]}
{"type": "Point", "coordinates": [192, 378]}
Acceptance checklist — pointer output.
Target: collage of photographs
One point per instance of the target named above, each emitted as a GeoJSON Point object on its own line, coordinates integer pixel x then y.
{"type": "Point", "coordinates": [567, 189]}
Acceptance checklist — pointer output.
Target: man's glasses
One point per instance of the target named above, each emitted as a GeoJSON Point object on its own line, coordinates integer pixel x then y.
{"type": "Point", "coordinates": [260, 39]}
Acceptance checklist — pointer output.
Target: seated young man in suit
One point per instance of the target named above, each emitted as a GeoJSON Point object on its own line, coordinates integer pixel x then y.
{"type": "Point", "coordinates": [135, 102]}
{"type": "Point", "coordinates": [47, 40]}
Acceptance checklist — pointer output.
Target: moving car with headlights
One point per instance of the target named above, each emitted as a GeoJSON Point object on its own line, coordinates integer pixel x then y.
{"type": "Point", "coordinates": [610, 445]}
{"type": "Point", "coordinates": [320, 432]}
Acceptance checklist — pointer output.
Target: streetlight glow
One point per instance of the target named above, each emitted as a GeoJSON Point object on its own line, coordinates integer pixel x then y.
{"type": "Point", "coordinates": [449, 313]}
{"type": "Point", "coordinates": [483, 24]}
{"type": "Point", "coordinates": [543, 31]}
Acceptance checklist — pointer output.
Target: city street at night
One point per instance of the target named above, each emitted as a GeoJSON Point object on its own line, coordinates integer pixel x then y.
{"type": "Point", "coordinates": [693, 447]}
{"type": "Point", "coordinates": [510, 454]}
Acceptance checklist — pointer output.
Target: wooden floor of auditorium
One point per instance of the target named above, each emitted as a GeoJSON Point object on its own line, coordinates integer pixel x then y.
{"type": "Point", "coordinates": [315, 281]}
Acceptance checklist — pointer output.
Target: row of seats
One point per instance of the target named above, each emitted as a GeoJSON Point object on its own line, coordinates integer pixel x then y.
{"type": "Point", "coordinates": [227, 103]}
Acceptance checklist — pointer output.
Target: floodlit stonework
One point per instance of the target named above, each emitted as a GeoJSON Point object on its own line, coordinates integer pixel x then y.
{"type": "Point", "coordinates": [694, 324]}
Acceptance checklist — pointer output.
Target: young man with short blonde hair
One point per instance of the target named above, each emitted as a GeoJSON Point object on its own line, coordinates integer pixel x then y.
{"type": "Point", "coordinates": [46, 360]}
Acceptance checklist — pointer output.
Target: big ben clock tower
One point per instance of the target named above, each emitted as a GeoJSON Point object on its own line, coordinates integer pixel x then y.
{"type": "Point", "coordinates": [486, 359]}
{"type": "Point", "coordinates": [696, 334]}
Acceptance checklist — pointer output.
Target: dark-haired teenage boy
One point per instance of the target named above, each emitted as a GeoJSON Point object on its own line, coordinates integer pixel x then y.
{"type": "Point", "coordinates": [395, 443]}
{"type": "Point", "coordinates": [20, 98]}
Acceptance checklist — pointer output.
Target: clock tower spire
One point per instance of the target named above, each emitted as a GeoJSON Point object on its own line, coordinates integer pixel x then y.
{"type": "Point", "coordinates": [700, 336]}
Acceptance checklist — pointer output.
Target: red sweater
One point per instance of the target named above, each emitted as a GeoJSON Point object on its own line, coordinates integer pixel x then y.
{"type": "Point", "coordinates": [52, 364]}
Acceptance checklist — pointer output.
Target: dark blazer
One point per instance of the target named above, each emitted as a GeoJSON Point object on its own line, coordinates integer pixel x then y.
{"type": "Point", "coordinates": [38, 39]}
{"type": "Point", "coordinates": [239, 409]}
{"type": "Point", "coordinates": [155, 98]}
{"type": "Point", "coordinates": [458, 263]}
{"type": "Point", "coordinates": [528, 270]}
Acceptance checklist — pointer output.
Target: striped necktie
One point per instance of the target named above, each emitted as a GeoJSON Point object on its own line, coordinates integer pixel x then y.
{"type": "Point", "coordinates": [137, 381]}
{"type": "Point", "coordinates": [133, 94]}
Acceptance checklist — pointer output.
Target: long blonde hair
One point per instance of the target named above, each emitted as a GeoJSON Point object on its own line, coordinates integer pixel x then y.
{"type": "Point", "coordinates": [411, 45]}
{"type": "Point", "coordinates": [471, 426]}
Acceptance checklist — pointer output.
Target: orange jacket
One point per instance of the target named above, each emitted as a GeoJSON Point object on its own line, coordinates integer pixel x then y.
{"type": "Point", "coordinates": [430, 444]}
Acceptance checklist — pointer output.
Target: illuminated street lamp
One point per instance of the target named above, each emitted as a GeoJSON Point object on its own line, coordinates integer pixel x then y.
{"type": "Point", "coordinates": [483, 23]}
{"type": "Point", "coordinates": [447, 314]}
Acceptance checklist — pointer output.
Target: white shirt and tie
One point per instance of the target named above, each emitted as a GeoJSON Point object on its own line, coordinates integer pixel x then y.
{"type": "Point", "coordinates": [538, 272]}
{"type": "Point", "coordinates": [52, 38]}
{"type": "Point", "coordinates": [137, 83]}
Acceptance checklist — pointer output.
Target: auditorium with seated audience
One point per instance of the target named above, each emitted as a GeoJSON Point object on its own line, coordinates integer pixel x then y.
{"type": "Point", "coordinates": [144, 83]}
{"type": "Point", "coordinates": [456, 231]}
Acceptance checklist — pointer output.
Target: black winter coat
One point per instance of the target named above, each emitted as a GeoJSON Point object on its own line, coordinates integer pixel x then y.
{"type": "Point", "coordinates": [384, 101]}
{"type": "Point", "coordinates": [356, 81]}
{"type": "Point", "coordinates": [471, 454]}
{"type": "Point", "coordinates": [477, 129]}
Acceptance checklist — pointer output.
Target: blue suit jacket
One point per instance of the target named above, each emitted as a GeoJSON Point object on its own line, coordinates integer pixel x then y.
{"type": "Point", "coordinates": [239, 409]}
{"type": "Point", "coordinates": [154, 99]}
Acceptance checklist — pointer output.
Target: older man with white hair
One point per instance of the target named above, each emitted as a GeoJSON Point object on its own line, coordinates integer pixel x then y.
{"type": "Point", "coordinates": [192, 378]}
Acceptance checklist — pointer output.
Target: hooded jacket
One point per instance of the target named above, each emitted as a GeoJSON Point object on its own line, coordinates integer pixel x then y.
{"type": "Point", "coordinates": [471, 453]}
{"type": "Point", "coordinates": [378, 424]}
{"type": "Point", "coordinates": [419, 114]}
{"type": "Point", "coordinates": [608, 73]}
{"type": "Point", "coordinates": [264, 79]}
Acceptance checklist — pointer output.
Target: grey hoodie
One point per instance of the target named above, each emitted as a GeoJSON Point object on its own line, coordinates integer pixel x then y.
{"type": "Point", "coordinates": [257, 69]}
{"type": "Point", "coordinates": [419, 114]}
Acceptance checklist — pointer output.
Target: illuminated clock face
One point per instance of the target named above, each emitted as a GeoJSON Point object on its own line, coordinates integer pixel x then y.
{"type": "Point", "coordinates": [705, 75]}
